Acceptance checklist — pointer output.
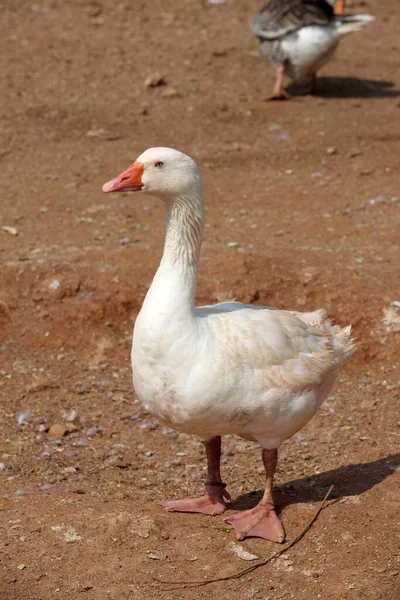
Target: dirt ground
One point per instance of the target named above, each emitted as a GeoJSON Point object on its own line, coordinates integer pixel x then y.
{"type": "Point", "coordinates": [302, 202]}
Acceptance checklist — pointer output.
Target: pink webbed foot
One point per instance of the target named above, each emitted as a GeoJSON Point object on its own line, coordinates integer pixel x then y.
{"type": "Point", "coordinates": [261, 521]}
{"type": "Point", "coordinates": [278, 95]}
{"type": "Point", "coordinates": [207, 505]}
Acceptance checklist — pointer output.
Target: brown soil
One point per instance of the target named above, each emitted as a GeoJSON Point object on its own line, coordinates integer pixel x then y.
{"type": "Point", "coordinates": [302, 212]}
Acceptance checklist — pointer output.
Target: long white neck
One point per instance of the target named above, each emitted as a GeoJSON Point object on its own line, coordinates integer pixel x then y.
{"type": "Point", "coordinates": [174, 284]}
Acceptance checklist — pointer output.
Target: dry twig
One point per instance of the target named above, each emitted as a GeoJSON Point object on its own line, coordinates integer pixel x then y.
{"type": "Point", "coordinates": [194, 584]}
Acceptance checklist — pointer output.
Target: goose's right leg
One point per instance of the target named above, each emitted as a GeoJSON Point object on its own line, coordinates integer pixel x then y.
{"type": "Point", "coordinates": [312, 86]}
{"type": "Point", "coordinates": [213, 501]}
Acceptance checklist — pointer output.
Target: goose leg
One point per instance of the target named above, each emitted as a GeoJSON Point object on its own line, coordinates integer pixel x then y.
{"type": "Point", "coordinates": [312, 88]}
{"type": "Point", "coordinates": [278, 93]}
{"type": "Point", "coordinates": [212, 503]}
{"type": "Point", "coordinates": [261, 521]}
{"type": "Point", "coordinates": [339, 7]}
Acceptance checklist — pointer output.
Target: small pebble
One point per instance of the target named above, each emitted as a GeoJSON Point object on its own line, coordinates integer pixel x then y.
{"type": "Point", "coordinates": [156, 555]}
{"type": "Point", "coordinates": [95, 431]}
{"type": "Point", "coordinates": [70, 415]}
{"type": "Point", "coordinates": [170, 93]}
{"type": "Point", "coordinates": [10, 230]}
{"type": "Point", "coordinates": [241, 552]}
{"type": "Point", "coordinates": [68, 470]}
{"type": "Point", "coordinates": [154, 80]}
{"type": "Point", "coordinates": [25, 416]}
{"type": "Point", "coordinates": [21, 567]}
{"type": "Point", "coordinates": [47, 452]}
{"type": "Point", "coordinates": [54, 284]}
{"type": "Point", "coordinates": [125, 240]}
{"type": "Point", "coordinates": [81, 442]}
{"type": "Point", "coordinates": [46, 486]}
{"type": "Point", "coordinates": [57, 430]}
{"type": "Point", "coordinates": [68, 533]}
{"type": "Point", "coordinates": [96, 133]}
{"type": "Point", "coordinates": [331, 150]}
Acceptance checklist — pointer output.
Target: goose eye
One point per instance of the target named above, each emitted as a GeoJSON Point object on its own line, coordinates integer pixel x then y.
{"type": "Point", "coordinates": [159, 164]}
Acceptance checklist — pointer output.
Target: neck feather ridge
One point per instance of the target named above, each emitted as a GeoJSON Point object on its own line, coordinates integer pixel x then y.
{"type": "Point", "coordinates": [174, 284]}
{"type": "Point", "coordinates": [184, 231]}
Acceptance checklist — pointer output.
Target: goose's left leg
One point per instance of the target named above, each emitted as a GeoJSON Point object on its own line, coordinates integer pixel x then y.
{"type": "Point", "coordinates": [261, 521]}
{"type": "Point", "coordinates": [213, 501]}
{"type": "Point", "coordinates": [312, 86]}
{"type": "Point", "coordinates": [278, 93]}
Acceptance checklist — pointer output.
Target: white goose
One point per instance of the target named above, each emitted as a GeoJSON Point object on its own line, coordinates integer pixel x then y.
{"type": "Point", "coordinates": [229, 368]}
{"type": "Point", "coordinates": [300, 36]}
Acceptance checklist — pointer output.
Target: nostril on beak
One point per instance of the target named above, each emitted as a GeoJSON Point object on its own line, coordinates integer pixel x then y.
{"type": "Point", "coordinates": [124, 179]}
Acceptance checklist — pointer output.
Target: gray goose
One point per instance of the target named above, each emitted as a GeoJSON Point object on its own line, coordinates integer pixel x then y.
{"type": "Point", "coordinates": [300, 36]}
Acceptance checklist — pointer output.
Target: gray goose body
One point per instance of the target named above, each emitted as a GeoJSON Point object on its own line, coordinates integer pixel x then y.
{"type": "Point", "coordinates": [300, 36]}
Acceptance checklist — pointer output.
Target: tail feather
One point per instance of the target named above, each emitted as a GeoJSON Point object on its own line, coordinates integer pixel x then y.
{"type": "Point", "coordinates": [352, 23]}
{"type": "Point", "coordinates": [343, 345]}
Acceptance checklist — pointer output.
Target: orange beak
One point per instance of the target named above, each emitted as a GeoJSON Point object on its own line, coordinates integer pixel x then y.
{"type": "Point", "coordinates": [339, 7]}
{"type": "Point", "coordinates": [128, 181]}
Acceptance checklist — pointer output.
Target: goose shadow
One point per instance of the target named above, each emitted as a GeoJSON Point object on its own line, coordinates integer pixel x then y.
{"type": "Point", "coordinates": [351, 480]}
{"type": "Point", "coordinates": [350, 87]}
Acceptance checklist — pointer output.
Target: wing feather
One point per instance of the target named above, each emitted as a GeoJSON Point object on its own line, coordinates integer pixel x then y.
{"type": "Point", "coordinates": [279, 17]}
{"type": "Point", "coordinates": [284, 350]}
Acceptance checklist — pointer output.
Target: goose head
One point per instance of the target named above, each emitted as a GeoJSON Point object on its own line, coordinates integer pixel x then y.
{"type": "Point", "coordinates": [161, 172]}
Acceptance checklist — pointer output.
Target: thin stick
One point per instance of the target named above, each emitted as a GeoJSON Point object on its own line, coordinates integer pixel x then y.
{"type": "Point", "coordinates": [184, 584]}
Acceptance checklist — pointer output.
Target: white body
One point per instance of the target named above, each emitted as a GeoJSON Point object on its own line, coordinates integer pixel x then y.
{"type": "Point", "coordinates": [200, 384]}
{"type": "Point", "coordinates": [309, 49]}
{"type": "Point", "coordinates": [231, 368]}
